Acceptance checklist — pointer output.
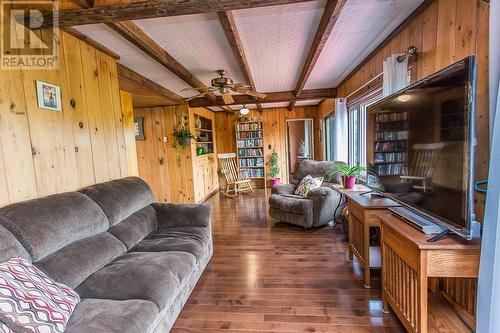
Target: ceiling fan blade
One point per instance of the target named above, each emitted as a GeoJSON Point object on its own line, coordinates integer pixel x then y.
{"type": "Point", "coordinates": [238, 85]}
{"type": "Point", "coordinates": [227, 98]}
{"type": "Point", "coordinates": [195, 96]}
{"type": "Point", "coordinates": [200, 89]}
{"type": "Point", "coordinates": [255, 94]}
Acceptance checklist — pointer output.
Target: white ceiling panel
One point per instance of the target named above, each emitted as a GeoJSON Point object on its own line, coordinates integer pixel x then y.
{"type": "Point", "coordinates": [308, 103]}
{"type": "Point", "coordinates": [198, 42]}
{"type": "Point", "coordinates": [276, 41]}
{"type": "Point", "coordinates": [275, 105]}
{"type": "Point", "coordinates": [135, 59]}
{"type": "Point", "coordinates": [238, 107]}
{"type": "Point", "coordinates": [215, 108]}
{"type": "Point", "coordinates": [361, 27]}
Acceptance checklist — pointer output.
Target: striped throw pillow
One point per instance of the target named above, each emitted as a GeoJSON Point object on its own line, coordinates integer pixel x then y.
{"type": "Point", "coordinates": [30, 301]}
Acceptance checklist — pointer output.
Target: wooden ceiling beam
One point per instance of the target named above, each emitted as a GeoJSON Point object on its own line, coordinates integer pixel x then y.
{"type": "Point", "coordinates": [84, 3]}
{"type": "Point", "coordinates": [125, 73]}
{"type": "Point", "coordinates": [143, 10]}
{"type": "Point", "coordinates": [233, 36]}
{"type": "Point", "coordinates": [330, 16]}
{"type": "Point", "coordinates": [272, 97]}
{"type": "Point", "coordinates": [141, 40]}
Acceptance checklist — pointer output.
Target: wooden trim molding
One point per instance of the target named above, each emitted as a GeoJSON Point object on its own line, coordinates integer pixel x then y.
{"type": "Point", "coordinates": [144, 10]}
{"type": "Point", "coordinates": [401, 27]}
{"type": "Point", "coordinates": [75, 33]}
{"type": "Point", "coordinates": [125, 73]}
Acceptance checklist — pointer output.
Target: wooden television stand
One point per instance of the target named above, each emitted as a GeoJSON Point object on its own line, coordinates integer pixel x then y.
{"type": "Point", "coordinates": [408, 261]}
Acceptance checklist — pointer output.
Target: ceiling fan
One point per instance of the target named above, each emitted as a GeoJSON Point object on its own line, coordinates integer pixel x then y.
{"type": "Point", "coordinates": [225, 85]}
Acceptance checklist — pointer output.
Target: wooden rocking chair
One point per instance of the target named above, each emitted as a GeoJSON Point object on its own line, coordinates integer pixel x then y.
{"type": "Point", "coordinates": [424, 162]}
{"type": "Point", "coordinates": [233, 175]}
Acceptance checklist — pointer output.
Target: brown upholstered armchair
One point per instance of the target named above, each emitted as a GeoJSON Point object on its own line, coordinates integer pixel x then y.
{"type": "Point", "coordinates": [317, 209]}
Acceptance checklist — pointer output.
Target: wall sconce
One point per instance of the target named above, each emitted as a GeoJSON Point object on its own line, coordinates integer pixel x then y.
{"type": "Point", "coordinates": [412, 51]}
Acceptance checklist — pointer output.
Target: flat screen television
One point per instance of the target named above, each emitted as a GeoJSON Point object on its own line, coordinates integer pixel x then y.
{"type": "Point", "coordinates": [420, 147]}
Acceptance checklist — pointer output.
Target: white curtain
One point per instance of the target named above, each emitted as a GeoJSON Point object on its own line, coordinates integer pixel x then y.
{"type": "Point", "coordinates": [340, 131]}
{"type": "Point", "coordinates": [488, 302]}
{"type": "Point", "coordinates": [395, 74]}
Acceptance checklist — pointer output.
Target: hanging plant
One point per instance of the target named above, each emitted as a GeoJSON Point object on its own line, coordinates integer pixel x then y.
{"type": "Point", "coordinates": [183, 136]}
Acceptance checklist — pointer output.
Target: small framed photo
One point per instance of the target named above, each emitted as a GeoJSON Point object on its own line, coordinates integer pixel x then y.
{"type": "Point", "coordinates": [139, 128]}
{"type": "Point", "coordinates": [48, 96]}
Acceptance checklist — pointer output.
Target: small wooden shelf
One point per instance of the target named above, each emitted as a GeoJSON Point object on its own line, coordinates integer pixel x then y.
{"type": "Point", "coordinates": [203, 130]}
{"type": "Point", "coordinates": [204, 142]}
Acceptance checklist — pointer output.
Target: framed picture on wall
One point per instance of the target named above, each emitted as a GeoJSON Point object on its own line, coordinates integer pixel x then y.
{"type": "Point", "coordinates": [48, 96]}
{"type": "Point", "coordinates": [139, 128]}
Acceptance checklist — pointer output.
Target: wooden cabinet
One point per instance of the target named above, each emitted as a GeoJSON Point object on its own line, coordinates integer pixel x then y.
{"type": "Point", "coordinates": [205, 179]}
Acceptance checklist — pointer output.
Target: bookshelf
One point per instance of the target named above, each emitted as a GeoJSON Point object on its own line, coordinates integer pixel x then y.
{"type": "Point", "coordinates": [250, 151]}
{"type": "Point", "coordinates": [203, 131]}
{"type": "Point", "coordinates": [390, 151]}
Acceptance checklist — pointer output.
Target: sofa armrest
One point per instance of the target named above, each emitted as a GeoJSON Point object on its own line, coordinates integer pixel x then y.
{"type": "Point", "coordinates": [283, 189]}
{"type": "Point", "coordinates": [325, 200]}
{"type": "Point", "coordinates": [182, 215]}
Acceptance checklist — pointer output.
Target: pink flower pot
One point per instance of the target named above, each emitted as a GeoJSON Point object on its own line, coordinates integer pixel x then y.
{"type": "Point", "coordinates": [275, 181]}
{"type": "Point", "coordinates": [349, 181]}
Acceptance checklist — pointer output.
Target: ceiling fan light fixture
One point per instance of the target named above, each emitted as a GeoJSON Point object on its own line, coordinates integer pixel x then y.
{"type": "Point", "coordinates": [244, 110]}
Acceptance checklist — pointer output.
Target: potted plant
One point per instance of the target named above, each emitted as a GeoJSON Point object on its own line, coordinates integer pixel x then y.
{"type": "Point", "coordinates": [274, 170]}
{"type": "Point", "coordinates": [183, 136]}
{"type": "Point", "coordinates": [348, 174]}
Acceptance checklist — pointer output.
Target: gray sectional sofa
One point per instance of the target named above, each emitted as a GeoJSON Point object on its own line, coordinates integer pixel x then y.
{"type": "Point", "coordinates": [317, 209]}
{"type": "Point", "coordinates": [133, 262]}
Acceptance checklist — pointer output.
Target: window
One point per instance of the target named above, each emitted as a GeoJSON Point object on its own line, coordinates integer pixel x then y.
{"type": "Point", "coordinates": [329, 137]}
{"type": "Point", "coordinates": [357, 127]}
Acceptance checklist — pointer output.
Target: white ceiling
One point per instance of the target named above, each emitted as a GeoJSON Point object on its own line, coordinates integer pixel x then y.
{"type": "Point", "coordinates": [362, 25]}
{"type": "Point", "coordinates": [198, 42]}
{"type": "Point", "coordinates": [276, 41]}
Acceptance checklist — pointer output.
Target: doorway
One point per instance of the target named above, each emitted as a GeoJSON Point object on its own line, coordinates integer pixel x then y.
{"type": "Point", "coordinates": [300, 143]}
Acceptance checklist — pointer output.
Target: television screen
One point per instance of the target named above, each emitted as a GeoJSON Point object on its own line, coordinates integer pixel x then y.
{"type": "Point", "coordinates": [418, 145]}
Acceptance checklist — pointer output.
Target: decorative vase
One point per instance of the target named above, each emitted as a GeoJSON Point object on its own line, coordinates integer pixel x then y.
{"type": "Point", "coordinates": [349, 181]}
{"type": "Point", "coordinates": [184, 141]}
{"type": "Point", "coordinates": [275, 181]}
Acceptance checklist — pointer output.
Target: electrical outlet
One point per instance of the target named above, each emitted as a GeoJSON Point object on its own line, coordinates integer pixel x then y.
{"type": "Point", "coordinates": [165, 139]}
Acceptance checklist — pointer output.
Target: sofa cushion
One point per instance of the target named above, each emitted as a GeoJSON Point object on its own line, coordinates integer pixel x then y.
{"type": "Point", "coordinates": [109, 316]}
{"type": "Point", "coordinates": [136, 227]}
{"type": "Point", "coordinates": [194, 240]}
{"type": "Point", "coordinates": [120, 198]}
{"type": "Point", "coordinates": [150, 276]}
{"type": "Point", "coordinates": [11, 246]}
{"type": "Point", "coordinates": [291, 204]}
{"type": "Point", "coordinates": [44, 226]}
{"type": "Point", "coordinates": [72, 264]}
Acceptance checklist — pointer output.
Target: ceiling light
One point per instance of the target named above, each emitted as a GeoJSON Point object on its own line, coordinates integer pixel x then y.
{"type": "Point", "coordinates": [244, 111]}
{"type": "Point", "coordinates": [404, 98]}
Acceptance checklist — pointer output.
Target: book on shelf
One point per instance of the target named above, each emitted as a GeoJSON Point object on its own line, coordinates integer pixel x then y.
{"type": "Point", "coordinates": [391, 116]}
{"type": "Point", "coordinates": [249, 143]}
{"type": "Point", "coordinates": [391, 146]}
{"type": "Point", "coordinates": [249, 135]}
{"type": "Point", "coordinates": [390, 169]}
{"type": "Point", "coordinates": [250, 126]}
{"type": "Point", "coordinates": [394, 135]}
{"type": "Point", "coordinates": [252, 162]}
{"type": "Point", "coordinates": [255, 173]}
{"type": "Point", "coordinates": [390, 157]}
{"type": "Point", "coordinates": [244, 152]}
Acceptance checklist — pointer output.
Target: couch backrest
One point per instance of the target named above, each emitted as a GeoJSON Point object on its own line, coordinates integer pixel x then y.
{"type": "Point", "coordinates": [68, 235]}
{"type": "Point", "coordinates": [127, 204]}
{"type": "Point", "coordinates": [315, 169]}
{"type": "Point", "coordinates": [44, 226]}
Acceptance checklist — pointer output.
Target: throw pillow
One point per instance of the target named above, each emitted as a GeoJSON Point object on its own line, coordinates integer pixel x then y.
{"type": "Point", "coordinates": [307, 184]}
{"type": "Point", "coordinates": [30, 301]}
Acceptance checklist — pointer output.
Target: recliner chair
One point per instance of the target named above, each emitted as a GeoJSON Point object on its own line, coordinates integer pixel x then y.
{"type": "Point", "coordinates": [315, 210]}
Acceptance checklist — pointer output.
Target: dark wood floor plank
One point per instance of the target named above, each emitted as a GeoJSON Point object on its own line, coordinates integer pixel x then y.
{"type": "Point", "coordinates": [273, 277]}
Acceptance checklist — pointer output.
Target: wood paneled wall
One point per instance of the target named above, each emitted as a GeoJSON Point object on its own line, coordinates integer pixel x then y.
{"type": "Point", "coordinates": [168, 170]}
{"type": "Point", "coordinates": [445, 32]}
{"type": "Point", "coordinates": [274, 131]}
{"type": "Point", "coordinates": [44, 152]}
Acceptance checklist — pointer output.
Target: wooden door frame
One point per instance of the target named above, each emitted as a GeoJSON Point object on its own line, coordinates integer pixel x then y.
{"type": "Point", "coordinates": [287, 143]}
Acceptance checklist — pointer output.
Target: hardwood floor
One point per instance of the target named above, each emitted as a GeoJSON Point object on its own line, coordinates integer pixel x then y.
{"type": "Point", "coordinates": [272, 277]}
